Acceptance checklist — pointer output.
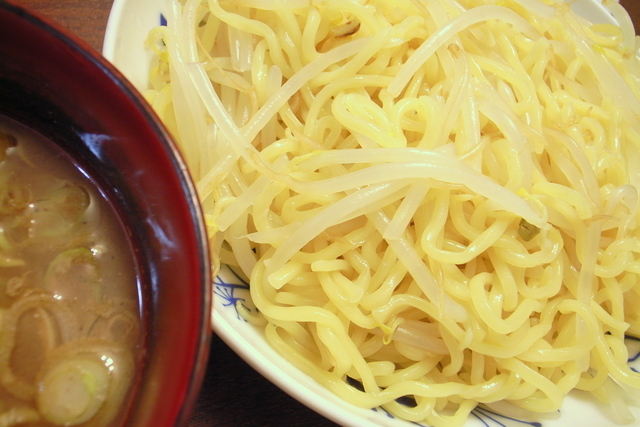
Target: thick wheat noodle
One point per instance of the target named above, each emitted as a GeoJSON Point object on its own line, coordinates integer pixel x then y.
{"type": "Point", "coordinates": [436, 200]}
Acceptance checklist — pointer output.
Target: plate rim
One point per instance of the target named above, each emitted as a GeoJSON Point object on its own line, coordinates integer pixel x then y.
{"type": "Point", "coordinates": [333, 407]}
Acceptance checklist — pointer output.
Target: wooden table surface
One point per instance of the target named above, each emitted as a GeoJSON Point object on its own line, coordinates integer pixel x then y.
{"type": "Point", "coordinates": [233, 394]}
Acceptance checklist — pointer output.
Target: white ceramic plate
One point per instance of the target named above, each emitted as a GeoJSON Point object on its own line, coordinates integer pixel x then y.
{"type": "Point", "coordinates": [128, 25]}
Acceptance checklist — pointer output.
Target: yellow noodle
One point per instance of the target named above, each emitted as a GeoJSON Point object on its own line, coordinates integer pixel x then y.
{"type": "Point", "coordinates": [438, 199]}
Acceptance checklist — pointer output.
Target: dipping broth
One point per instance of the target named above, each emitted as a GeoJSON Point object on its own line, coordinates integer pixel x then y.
{"type": "Point", "coordinates": [70, 329]}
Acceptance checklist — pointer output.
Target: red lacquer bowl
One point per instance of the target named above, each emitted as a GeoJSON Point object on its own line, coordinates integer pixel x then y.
{"type": "Point", "coordinates": [59, 86]}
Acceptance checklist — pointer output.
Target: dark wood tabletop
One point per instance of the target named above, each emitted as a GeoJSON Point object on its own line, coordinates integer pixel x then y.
{"type": "Point", "coordinates": [233, 394]}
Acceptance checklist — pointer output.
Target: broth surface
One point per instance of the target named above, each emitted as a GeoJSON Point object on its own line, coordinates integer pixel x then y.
{"type": "Point", "coordinates": [69, 302]}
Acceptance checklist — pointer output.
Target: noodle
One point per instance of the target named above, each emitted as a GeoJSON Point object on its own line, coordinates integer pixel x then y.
{"type": "Point", "coordinates": [435, 202]}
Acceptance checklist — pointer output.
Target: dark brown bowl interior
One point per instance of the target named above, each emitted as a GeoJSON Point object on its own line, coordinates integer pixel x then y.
{"type": "Point", "coordinates": [57, 85]}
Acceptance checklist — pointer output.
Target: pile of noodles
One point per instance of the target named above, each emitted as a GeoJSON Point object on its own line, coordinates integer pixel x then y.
{"type": "Point", "coordinates": [436, 202]}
